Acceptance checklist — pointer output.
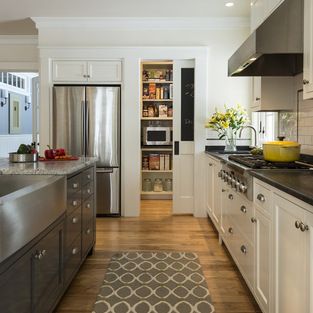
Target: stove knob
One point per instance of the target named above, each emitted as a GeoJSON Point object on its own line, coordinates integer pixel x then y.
{"type": "Point", "coordinates": [243, 188]}
{"type": "Point", "coordinates": [229, 180]}
{"type": "Point", "coordinates": [237, 185]}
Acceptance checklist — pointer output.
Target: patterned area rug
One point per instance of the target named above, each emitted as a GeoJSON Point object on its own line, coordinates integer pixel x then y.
{"type": "Point", "coordinates": [154, 282]}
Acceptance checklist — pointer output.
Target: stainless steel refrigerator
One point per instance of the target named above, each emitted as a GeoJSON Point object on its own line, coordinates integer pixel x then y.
{"type": "Point", "coordinates": [86, 122]}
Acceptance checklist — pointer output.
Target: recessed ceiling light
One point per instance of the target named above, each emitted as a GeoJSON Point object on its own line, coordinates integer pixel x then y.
{"type": "Point", "coordinates": [229, 4]}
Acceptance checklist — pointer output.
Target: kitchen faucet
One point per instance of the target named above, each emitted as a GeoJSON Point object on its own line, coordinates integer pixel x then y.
{"type": "Point", "coordinates": [255, 133]}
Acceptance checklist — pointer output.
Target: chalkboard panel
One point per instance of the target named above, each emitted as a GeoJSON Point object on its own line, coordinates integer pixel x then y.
{"type": "Point", "coordinates": [187, 104]}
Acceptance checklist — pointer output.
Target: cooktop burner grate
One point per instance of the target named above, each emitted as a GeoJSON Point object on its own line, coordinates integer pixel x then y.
{"type": "Point", "coordinates": [258, 162]}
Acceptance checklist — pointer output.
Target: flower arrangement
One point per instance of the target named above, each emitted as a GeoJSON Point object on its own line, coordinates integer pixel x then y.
{"type": "Point", "coordinates": [233, 118]}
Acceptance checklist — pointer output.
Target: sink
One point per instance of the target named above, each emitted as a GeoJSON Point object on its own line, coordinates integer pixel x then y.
{"type": "Point", "coordinates": [28, 205]}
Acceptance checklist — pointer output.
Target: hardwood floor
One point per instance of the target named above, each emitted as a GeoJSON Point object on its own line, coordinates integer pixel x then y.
{"type": "Point", "coordinates": [157, 229]}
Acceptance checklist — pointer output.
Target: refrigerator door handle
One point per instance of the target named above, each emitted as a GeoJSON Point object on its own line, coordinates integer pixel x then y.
{"type": "Point", "coordinates": [83, 106]}
{"type": "Point", "coordinates": [87, 127]}
{"type": "Point", "coordinates": [107, 170]}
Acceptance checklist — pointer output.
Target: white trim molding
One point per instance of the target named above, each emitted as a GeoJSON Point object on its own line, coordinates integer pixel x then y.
{"type": "Point", "coordinates": [18, 40]}
{"type": "Point", "coordinates": [147, 23]}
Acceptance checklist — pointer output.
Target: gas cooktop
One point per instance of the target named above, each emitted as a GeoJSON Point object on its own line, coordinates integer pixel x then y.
{"type": "Point", "coordinates": [258, 162]}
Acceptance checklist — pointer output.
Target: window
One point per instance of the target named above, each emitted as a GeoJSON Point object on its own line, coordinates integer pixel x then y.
{"type": "Point", "coordinates": [266, 124]}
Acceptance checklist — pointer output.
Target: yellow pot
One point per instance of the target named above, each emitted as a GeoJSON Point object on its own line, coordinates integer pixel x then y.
{"type": "Point", "coordinates": [281, 151]}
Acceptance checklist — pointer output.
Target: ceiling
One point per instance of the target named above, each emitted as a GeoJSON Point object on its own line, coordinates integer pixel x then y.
{"type": "Point", "coordinates": [14, 14]}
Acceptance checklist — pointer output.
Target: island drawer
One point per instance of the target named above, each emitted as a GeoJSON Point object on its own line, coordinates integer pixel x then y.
{"type": "Point", "coordinates": [73, 201]}
{"type": "Point", "coordinates": [87, 190]}
{"type": "Point", "coordinates": [72, 259]}
{"type": "Point", "coordinates": [88, 209]}
{"type": "Point", "coordinates": [87, 236]}
{"type": "Point", "coordinates": [87, 176]}
{"type": "Point", "coordinates": [74, 184]}
{"type": "Point", "coordinates": [73, 226]}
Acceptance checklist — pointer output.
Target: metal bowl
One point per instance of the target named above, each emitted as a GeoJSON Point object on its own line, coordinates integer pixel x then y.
{"type": "Point", "coordinates": [23, 158]}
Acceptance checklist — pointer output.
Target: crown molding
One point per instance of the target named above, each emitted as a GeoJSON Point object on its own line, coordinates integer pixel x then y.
{"type": "Point", "coordinates": [146, 23]}
{"type": "Point", "coordinates": [18, 40]}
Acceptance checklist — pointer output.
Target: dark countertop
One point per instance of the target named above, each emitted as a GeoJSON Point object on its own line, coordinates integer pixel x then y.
{"type": "Point", "coordinates": [298, 183]}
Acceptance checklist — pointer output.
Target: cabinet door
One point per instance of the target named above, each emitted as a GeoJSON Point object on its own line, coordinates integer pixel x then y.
{"type": "Point", "coordinates": [290, 258]}
{"type": "Point", "coordinates": [69, 71]}
{"type": "Point", "coordinates": [308, 50]}
{"type": "Point", "coordinates": [263, 260]}
{"type": "Point", "coordinates": [209, 186]}
{"type": "Point", "coordinates": [15, 292]}
{"type": "Point", "coordinates": [47, 276]}
{"type": "Point", "coordinates": [256, 94]}
{"type": "Point", "coordinates": [104, 71]}
{"type": "Point", "coordinates": [217, 194]}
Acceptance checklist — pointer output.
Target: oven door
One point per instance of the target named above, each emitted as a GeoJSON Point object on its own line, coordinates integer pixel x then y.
{"type": "Point", "coordinates": [157, 136]}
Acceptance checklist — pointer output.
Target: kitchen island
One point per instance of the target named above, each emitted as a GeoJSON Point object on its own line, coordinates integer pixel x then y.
{"type": "Point", "coordinates": [39, 273]}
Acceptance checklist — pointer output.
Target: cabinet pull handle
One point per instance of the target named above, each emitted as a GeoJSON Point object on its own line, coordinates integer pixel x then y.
{"type": "Point", "coordinates": [75, 220]}
{"type": "Point", "coordinates": [243, 209]}
{"type": "Point", "coordinates": [88, 231]}
{"type": "Point", "coordinates": [88, 177]}
{"type": "Point", "coordinates": [85, 76]}
{"type": "Point", "coordinates": [253, 220]}
{"type": "Point", "coordinates": [89, 191]}
{"type": "Point", "coordinates": [297, 224]}
{"type": "Point", "coordinates": [75, 185]}
{"type": "Point", "coordinates": [75, 203]}
{"type": "Point", "coordinates": [223, 190]}
{"type": "Point", "coordinates": [88, 206]}
{"type": "Point", "coordinates": [230, 230]}
{"type": "Point", "coordinates": [304, 227]}
{"type": "Point", "coordinates": [210, 164]}
{"type": "Point", "coordinates": [230, 197]}
{"type": "Point", "coordinates": [260, 197]}
{"type": "Point", "coordinates": [39, 254]}
{"type": "Point", "coordinates": [306, 82]}
{"type": "Point", "coordinates": [75, 251]}
{"type": "Point", "coordinates": [243, 249]}
{"type": "Point", "coordinates": [257, 99]}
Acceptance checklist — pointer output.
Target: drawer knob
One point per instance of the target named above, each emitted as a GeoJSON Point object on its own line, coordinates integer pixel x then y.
{"type": "Point", "coordinates": [257, 99]}
{"type": "Point", "coordinates": [75, 220]}
{"type": "Point", "coordinates": [88, 206]}
{"type": "Point", "coordinates": [243, 249]}
{"type": "Point", "coordinates": [75, 251]}
{"type": "Point", "coordinates": [260, 197]}
{"type": "Point", "coordinates": [253, 220]}
{"type": "Point", "coordinates": [243, 209]}
{"type": "Point", "coordinates": [230, 197]}
{"type": "Point", "coordinates": [297, 224]}
{"type": "Point", "coordinates": [230, 230]}
{"type": "Point", "coordinates": [89, 191]}
{"type": "Point", "coordinates": [306, 82]}
{"type": "Point", "coordinates": [304, 227]}
{"type": "Point", "coordinates": [75, 203]}
{"type": "Point", "coordinates": [39, 254]}
{"type": "Point", "coordinates": [75, 185]}
{"type": "Point", "coordinates": [88, 176]}
{"type": "Point", "coordinates": [88, 231]}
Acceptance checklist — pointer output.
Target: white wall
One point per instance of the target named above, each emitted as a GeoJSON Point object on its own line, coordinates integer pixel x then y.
{"type": "Point", "coordinates": [214, 87]}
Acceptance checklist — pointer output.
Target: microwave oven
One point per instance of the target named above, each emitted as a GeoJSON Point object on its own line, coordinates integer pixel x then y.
{"type": "Point", "coordinates": [157, 136]}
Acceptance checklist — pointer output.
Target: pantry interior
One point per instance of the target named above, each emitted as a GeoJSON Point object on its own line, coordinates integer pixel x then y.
{"type": "Point", "coordinates": [156, 110]}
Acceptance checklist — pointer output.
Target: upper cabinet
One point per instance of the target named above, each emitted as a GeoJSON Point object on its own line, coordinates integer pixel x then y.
{"type": "Point", "coordinates": [308, 50]}
{"type": "Point", "coordinates": [260, 10]}
{"type": "Point", "coordinates": [272, 94]}
{"type": "Point", "coordinates": [67, 71]}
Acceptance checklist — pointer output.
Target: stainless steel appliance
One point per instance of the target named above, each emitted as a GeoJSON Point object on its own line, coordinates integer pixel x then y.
{"type": "Point", "coordinates": [86, 122]}
{"type": "Point", "coordinates": [157, 136]}
{"type": "Point", "coordinates": [275, 48]}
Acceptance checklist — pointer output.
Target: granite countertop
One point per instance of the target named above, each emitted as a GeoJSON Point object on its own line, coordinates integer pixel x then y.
{"type": "Point", "coordinates": [298, 183]}
{"type": "Point", "coordinates": [46, 167]}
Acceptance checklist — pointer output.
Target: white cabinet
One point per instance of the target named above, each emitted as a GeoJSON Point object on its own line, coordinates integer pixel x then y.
{"type": "Point", "coordinates": [271, 5]}
{"type": "Point", "coordinates": [272, 94]}
{"type": "Point", "coordinates": [213, 191]}
{"type": "Point", "coordinates": [292, 263]}
{"type": "Point", "coordinates": [68, 71]}
{"type": "Point", "coordinates": [263, 260]}
{"type": "Point", "coordinates": [308, 50]}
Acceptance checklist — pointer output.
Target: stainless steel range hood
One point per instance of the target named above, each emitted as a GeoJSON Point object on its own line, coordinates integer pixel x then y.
{"type": "Point", "coordinates": [275, 48]}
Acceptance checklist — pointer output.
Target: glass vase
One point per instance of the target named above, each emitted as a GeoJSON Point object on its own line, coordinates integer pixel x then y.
{"type": "Point", "coordinates": [230, 140]}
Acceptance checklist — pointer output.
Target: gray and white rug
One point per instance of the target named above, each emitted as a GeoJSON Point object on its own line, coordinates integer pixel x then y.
{"type": "Point", "coordinates": [154, 282]}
